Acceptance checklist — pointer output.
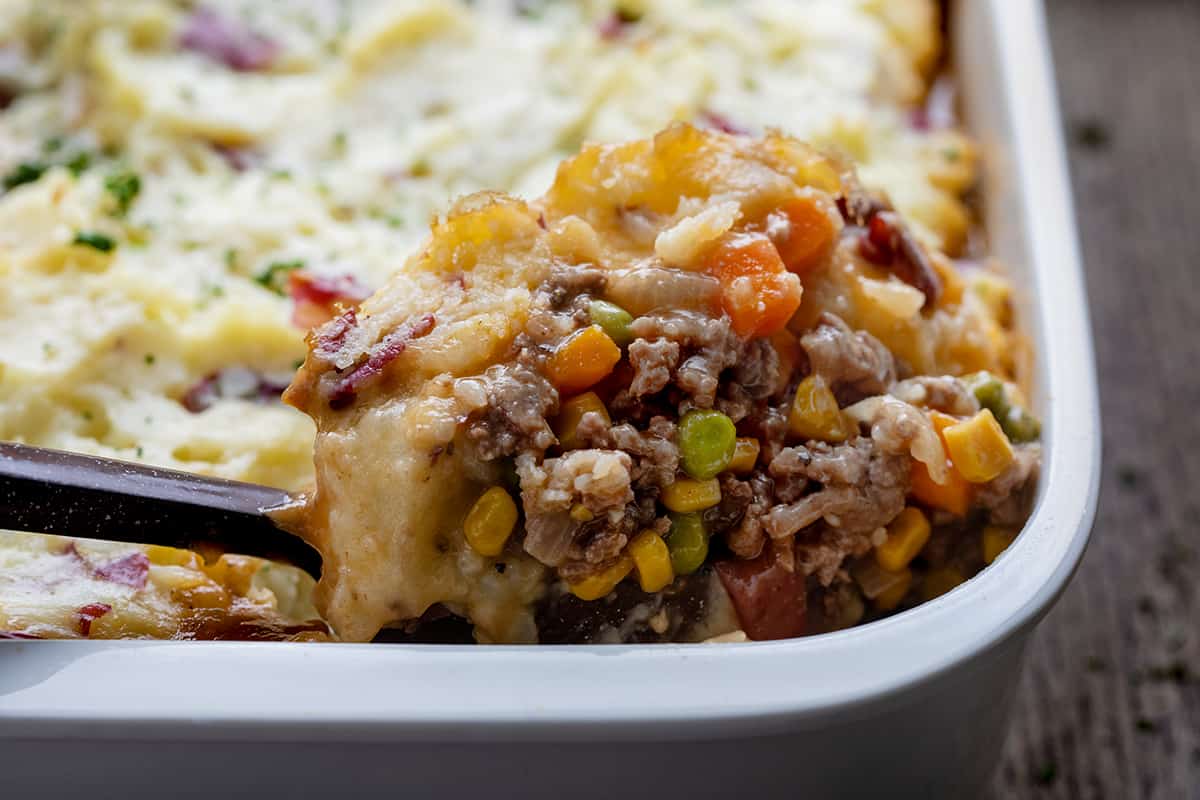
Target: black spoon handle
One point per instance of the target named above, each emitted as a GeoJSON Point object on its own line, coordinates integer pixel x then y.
{"type": "Point", "coordinates": [51, 491]}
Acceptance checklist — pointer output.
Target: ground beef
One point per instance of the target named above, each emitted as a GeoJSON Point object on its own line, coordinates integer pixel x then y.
{"type": "Point", "coordinates": [757, 375]}
{"type": "Point", "coordinates": [747, 539]}
{"type": "Point", "coordinates": [568, 283]}
{"type": "Point", "coordinates": [597, 543]}
{"type": "Point", "coordinates": [944, 393]}
{"type": "Point", "coordinates": [854, 363]}
{"type": "Point", "coordinates": [599, 480]}
{"type": "Point", "coordinates": [822, 550]}
{"type": "Point", "coordinates": [826, 464]}
{"type": "Point", "coordinates": [653, 361]}
{"type": "Point", "coordinates": [519, 400]}
{"type": "Point", "coordinates": [710, 344]}
{"type": "Point", "coordinates": [872, 498]}
{"type": "Point", "coordinates": [655, 454]}
{"type": "Point", "coordinates": [1008, 496]}
{"type": "Point", "coordinates": [736, 497]}
{"type": "Point", "coordinates": [768, 424]}
{"type": "Point", "coordinates": [759, 370]}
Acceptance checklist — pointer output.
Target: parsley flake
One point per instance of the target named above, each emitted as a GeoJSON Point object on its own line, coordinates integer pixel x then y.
{"type": "Point", "coordinates": [94, 240]}
{"type": "Point", "coordinates": [124, 187]}
{"type": "Point", "coordinates": [274, 277]}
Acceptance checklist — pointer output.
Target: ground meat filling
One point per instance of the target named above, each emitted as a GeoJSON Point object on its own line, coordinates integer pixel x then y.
{"type": "Point", "coordinates": [519, 400]}
{"type": "Point", "coordinates": [690, 348]}
{"type": "Point", "coordinates": [809, 507]}
{"type": "Point", "coordinates": [862, 488]}
{"type": "Point", "coordinates": [854, 363]}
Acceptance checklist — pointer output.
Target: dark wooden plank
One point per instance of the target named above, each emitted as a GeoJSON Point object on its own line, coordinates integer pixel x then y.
{"type": "Point", "coordinates": [1109, 702]}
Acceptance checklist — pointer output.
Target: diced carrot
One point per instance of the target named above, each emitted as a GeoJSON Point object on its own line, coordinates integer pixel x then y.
{"type": "Point", "coordinates": [757, 291]}
{"type": "Point", "coordinates": [942, 421]}
{"type": "Point", "coordinates": [953, 496]}
{"type": "Point", "coordinates": [583, 359]}
{"type": "Point", "coordinates": [810, 235]}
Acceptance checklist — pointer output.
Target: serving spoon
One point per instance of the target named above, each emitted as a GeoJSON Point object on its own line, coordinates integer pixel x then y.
{"type": "Point", "coordinates": [71, 494]}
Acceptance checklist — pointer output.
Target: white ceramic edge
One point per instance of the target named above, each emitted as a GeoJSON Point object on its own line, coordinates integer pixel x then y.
{"type": "Point", "coordinates": [310, 691]}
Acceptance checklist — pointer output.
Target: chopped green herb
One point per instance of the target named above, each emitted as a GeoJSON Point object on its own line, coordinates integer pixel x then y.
{"type": "Point", "coordinates": [25, 172]}
{"type": "Point", "coordinates": [52, 144]}
{"type": "Point", "coordinates": [78, 162]}
{"type": "Point", "coordinates": [49, 350]}
{"type": "Point", "coordinates": [140, 452]}
{"type": "Point", "coordinates": [339, 143]}
{"type": "Point", "coordinates": [298, 363]}
{"type": "Point", "coordinates": [274, 277]}
{"type": "Point", "coordinates": [231, 256]}
{"type": "Point", "coordinates": [149, 359]}
{"type": "Point", "coordinates": [216, 290]}
{"type": "Point", "coordinates": [281, 174]}
{"type": "Point", "coordinates": [124, 187]}
{"type": "Point", "coordinates": [951, 154]}
{"type": "Point", "coordinates": [94, 240]}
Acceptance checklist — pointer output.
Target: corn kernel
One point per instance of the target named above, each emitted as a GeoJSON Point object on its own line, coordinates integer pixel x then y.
{"type": "Point", "coordinates": [815, 413]}
{"type": "Point", "coordinates": [939, 581]}
{"type": "Point", "coordinates": [686, 495]}
{"type": "Point", "coordinates": [568, 419]}
{"type": "Point", "coordinates": [890, 597]}
{"type": "Point", "coordinates": [652, 560]}
{"type": "Point", "coordinates": [978, 447]}
{"type": "Point", "coordinates": [995, 541]}
{"type": "Point", "coordinates": [581, 513]}
{"type": "Point", "coordinates": [745, 455]}
{"type": "Point", "coordinates": [490, 522]}
{"type": "Point", "coordinates": [907, 534]}
{"type": "Point", "coordinates": [597, 585]}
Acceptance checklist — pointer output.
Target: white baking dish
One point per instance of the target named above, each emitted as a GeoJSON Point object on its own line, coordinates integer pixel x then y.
{"type": "Point", "coordinates": [914, 705]}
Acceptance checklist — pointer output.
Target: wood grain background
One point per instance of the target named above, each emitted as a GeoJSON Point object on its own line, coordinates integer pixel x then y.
{"type": "Point", "coordinates": [1109, 702]}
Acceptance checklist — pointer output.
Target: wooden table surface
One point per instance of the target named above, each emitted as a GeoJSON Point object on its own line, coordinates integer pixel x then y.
{"type": "Point", "coordinates": [1109, 702]}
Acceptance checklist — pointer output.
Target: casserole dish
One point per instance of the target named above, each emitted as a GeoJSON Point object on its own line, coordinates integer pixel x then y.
{"type": "Point", "coordinates": [914, 704]}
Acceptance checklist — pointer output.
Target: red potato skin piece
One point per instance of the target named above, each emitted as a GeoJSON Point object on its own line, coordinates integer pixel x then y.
{"type": "Point", "coordinates": [89, 614]}
{"type": "Point", "coordinates": [130, 570]}
{"type": "Point", "coordinates": [388, 350]}
{"type": "Point", "coordinates": [889, 243]}
{"type": "Point", "coordinates": [317, 298]}
{"type": "Point", "coordinates": [228, 42]}
{"type": "Point", "coordinates": [771, 602]}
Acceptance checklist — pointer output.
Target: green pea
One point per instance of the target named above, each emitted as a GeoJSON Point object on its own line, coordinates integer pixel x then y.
{"type": "Point", "coordinates": [613, 320]}
{"type": "Point", "coordinates": [688, 543]}
{"type": "Point", "coordinates": [989, 391]}
{"type": "Point", "coordinates": [1021, 426]}
{"type": "Point", "coordinates": [707, 441]}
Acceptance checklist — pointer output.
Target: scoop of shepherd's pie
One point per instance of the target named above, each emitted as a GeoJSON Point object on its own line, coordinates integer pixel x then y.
{"type": "Point", "coordinates": [705, 371]}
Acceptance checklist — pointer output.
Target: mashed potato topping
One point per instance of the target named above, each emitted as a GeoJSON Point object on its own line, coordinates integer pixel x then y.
{"type": "Point", "coordinates": [188, 187]}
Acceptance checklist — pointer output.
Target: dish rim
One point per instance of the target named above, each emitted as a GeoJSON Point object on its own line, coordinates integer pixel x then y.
{"type": "Point", "coordinates": [434, 692]}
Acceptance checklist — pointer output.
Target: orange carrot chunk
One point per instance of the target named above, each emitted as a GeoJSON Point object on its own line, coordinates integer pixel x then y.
{"type": "Point", "coordinates": [582, 360]}
{"type": "Point", "coordinates": [757, 291]}
{"type": "Point", "coordinates": [810, 235]}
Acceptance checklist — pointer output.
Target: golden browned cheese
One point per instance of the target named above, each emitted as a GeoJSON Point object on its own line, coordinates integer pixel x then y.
{"type": "Point", "coordinates": [394, 475]}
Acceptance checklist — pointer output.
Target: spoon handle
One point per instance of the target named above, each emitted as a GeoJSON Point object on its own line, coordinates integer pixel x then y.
{"type": "Point", "coordinates": [71, 494]}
